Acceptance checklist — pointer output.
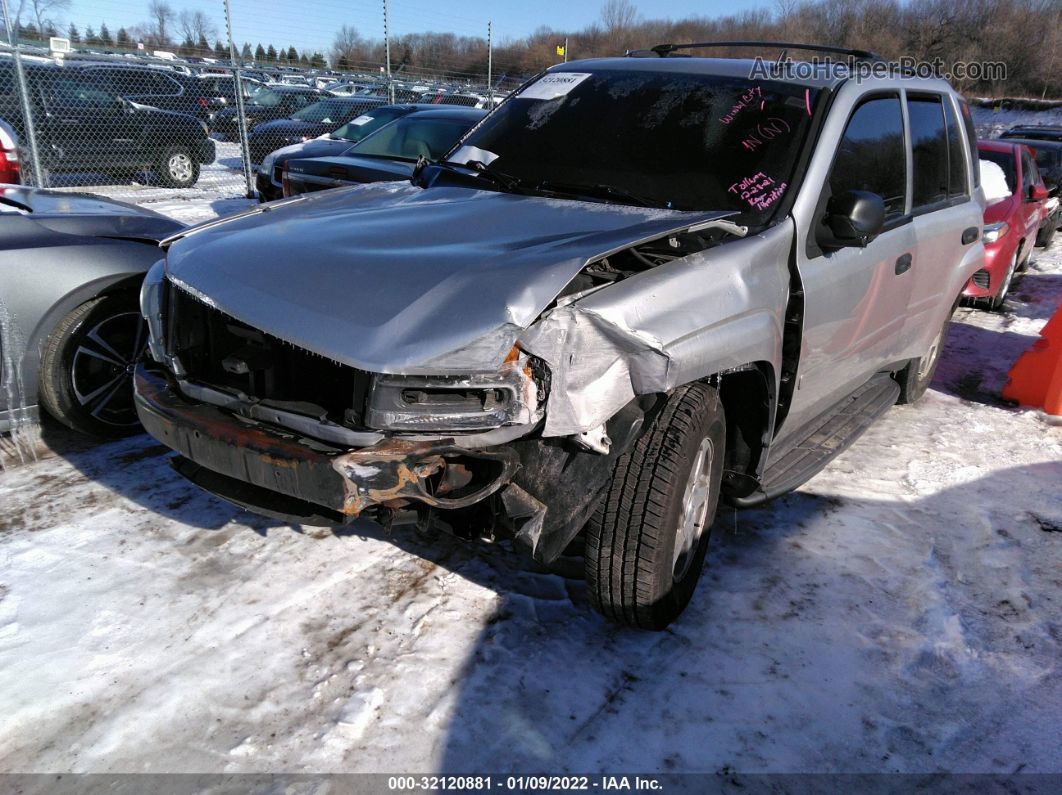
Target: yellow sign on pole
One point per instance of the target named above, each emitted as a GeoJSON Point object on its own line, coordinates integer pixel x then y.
{"type": "Point", "coordinates": [560, 49]}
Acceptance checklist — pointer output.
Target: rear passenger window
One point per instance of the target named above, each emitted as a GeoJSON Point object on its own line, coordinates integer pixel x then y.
{"type": "Point", "coordinates": [929, 147]}
{"type": "Point", "coordinates": [871, 156]}
{"type": "Point", "coordinates": [957, 186]}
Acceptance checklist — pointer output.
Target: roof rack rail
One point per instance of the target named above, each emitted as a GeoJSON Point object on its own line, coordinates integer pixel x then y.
{"type": "Point", "coordinates": [664, 50]}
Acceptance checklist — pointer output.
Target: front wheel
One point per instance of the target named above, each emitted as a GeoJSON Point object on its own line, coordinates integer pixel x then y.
{"type": "Point", "coordinates": [646, 543]}
{"type": "Point", "coordinates": [1047, 232]}
{"type": "Point", "coordinates": [995, 303]}
{"type": "Point", "coordinates": [177, 167]}
{"type": "Point", "coordinates": [86, 379]}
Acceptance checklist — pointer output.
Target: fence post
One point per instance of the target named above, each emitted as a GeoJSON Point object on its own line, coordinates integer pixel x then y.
{"type": "Point", "coordinates": [27, 106]}
{"type": "Point", "coordinates": [387, 52]}
{"type": "Point", "coordinates": [490, 68]}
{"type": "Point", "coordinates": [241, 117]}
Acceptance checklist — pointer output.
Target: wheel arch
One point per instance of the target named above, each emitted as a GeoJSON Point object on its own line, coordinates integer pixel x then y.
{"type": "Point", "coordinates": [750, 399]}
{"type": "Point", "coordinates": [122, 270]}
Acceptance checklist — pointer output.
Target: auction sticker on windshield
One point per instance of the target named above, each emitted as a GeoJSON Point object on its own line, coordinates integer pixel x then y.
{"type": "Point", "coordinates": [361, 120]}
{"type": "Point", "coordinates": [553, 85]}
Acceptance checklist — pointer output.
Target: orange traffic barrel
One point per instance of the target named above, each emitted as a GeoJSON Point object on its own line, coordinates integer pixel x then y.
{"type": "Point", "coordinates": [1036, 378]}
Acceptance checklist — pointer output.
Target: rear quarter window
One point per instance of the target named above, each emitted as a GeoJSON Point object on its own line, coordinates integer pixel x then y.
{"type": "Point", "coordinates": [957, 183]}
{"type": "Point", "coordinates": [971, 139]}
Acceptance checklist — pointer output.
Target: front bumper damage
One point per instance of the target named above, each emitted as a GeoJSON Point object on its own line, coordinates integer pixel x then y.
{"type": "Point", "coordinates": [339, 483]}
{"type": "Point", "coordinates": [283, 474]}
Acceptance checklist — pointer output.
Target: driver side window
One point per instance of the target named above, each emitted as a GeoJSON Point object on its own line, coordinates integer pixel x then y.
{"type": "Point", "coordinates": [872, 156]}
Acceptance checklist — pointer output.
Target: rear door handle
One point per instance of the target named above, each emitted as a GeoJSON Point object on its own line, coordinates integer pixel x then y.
{"type": "Point", "coordinates": [969, 235]}
{"type": "Point", "coordinates": [903, 264]}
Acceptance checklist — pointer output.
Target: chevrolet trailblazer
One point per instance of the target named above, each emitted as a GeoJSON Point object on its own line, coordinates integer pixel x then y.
{"type": "Point", "coordinates": [639, 286]}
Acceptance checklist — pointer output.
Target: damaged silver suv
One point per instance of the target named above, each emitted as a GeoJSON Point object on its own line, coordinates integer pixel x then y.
{"type": "Point", "coordinates": [639, 286]}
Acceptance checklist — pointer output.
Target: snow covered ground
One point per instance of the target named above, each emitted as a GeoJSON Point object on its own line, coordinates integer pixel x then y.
{"type": "Point", "coordinates": [220, 190]}
{"type": "Point", "coordinates": [901, 612]}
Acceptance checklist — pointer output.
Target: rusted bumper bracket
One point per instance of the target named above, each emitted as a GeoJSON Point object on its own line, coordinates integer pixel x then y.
{"type": "Point", "coordinates": [391, 473]}
{"type": "Point", "coordinates": [436, 473]}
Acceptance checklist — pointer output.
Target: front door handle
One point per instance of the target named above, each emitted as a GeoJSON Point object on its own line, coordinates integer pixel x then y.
{"type": "Point", "coordinates": [969, 235]}
{"type": "Point", "coordinates": [903, 264]}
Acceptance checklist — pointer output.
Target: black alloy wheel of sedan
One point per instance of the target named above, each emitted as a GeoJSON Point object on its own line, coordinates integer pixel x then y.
{"type": "Point", "coordinates": [87, 366]}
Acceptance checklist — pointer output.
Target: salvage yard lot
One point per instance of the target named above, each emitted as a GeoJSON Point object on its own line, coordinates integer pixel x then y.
{"type": "Point", "coordinates": [901, 612]}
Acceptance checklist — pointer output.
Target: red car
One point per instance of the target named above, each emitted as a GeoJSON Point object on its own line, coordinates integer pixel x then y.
{"type": "Point", "coordinates": [1013, 218]}
{"type": "Point", "coordinates": [10, 168]}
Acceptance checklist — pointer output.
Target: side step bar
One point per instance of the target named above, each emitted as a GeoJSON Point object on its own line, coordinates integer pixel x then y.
{"type": "Point", "coordinates": [826, 437]}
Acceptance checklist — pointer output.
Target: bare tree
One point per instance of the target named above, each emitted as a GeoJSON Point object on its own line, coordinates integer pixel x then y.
{"type": "Point", "coordinates": [195, 26]}
{"type": "Point", "coordinates": [161, 19]}
{"type": "Point", "coordinates": [618, 16]}
{"type": "Point", "coordinates": [42, 11]}
{"type": "Point", "coordinates": [348, 45]}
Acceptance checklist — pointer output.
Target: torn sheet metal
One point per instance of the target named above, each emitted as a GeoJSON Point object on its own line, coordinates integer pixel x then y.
{"type": "Point", "coordinates": [661, 328]}
{"type": "Point", "coordinates": [387, 278]}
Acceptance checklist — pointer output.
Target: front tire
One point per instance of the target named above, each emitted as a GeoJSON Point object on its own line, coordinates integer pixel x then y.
{"type": "Point", "coordinates": [1047, 233]}
{"type": "Point", "coordinates": [646, 543]}
{"type": "Point", "coordinates": [177, 167]}
{"type": "Point", "coordinates": [86, 379]}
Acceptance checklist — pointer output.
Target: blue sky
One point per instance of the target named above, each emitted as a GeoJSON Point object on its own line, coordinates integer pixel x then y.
{"type": "Point", "coordinates": [311, 23]}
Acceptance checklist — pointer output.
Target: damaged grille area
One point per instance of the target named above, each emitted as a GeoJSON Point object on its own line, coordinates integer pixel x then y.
{"type": "Point", "coordinates": [217, 350]}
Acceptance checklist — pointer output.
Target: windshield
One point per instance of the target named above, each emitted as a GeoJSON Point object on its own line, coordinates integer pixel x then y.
{"type": "Point", "coordinates": [688, 142]}
{"type": "Point", "coordinates": [356, 129]}
{"type": "Point", "coordinates": [267, 98]}
{"type": "Point", "coordinates": [328, 111]}
{"type": "Point", "coordinates": [412, 137]}
{"type": "Point", "coordinates": [1005, 160]}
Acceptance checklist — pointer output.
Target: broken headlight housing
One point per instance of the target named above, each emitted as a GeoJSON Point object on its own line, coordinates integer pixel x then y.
{"type": "Point", "coordinates": [511, 396]}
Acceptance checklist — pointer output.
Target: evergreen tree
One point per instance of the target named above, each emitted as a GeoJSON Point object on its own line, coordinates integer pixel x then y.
{"type": "Point", "coordinates": [221, 52]}
{"type": "Point", "coordinates": [259, 53]}
{"type": "Point", "coordinates": [271, 54]}
{"type": "Point", "coordinates": [318, 61]}
{"type": "Point", "coordinates": [245, 53]}
{"type": "Point", "coordinates": [91, 39]}
{"type": "Point", "coordinates": [50, 31]}
{"type": "Point", "coordinates": [122, 39]}
{"type": "Point", "coordinates": [304, 60]}
{"type": "Point", "coordinates": [105, 36]}
{"type": "Point", "coordinates": [293, 57]}
{"type": "Point", "coordinates": [202, 46]}
{"type": "Point", "coordinates": [73, 35]}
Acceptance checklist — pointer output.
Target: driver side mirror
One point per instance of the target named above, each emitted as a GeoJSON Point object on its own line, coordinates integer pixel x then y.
{"type": "Point", "coordinates": [853, 218]}
{"type": "Point", "coordinates": [1037, 193]}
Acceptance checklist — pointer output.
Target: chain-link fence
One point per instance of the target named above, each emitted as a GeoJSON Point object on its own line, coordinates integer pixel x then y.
{"type": "Point", "coordinates": [168, 127]}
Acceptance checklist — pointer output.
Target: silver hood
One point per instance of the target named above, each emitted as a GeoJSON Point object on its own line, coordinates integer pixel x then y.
{"type": "Point", "coordinates": [398, 279]}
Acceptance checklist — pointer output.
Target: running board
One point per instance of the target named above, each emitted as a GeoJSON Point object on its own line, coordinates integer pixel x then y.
{"type": "Point", "coordinates": [829, 435]}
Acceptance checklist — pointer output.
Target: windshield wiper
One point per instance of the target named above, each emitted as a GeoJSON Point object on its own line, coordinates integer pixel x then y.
{"type": "Point", "coordinates": [507, 182]}
{"type": "Point", "coordinates": [599, 191]}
